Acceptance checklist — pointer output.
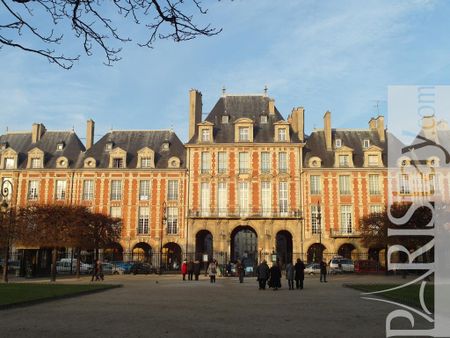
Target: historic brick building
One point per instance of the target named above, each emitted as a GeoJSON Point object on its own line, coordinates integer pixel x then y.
{"type": "Point", "coordinates": [248, 183]}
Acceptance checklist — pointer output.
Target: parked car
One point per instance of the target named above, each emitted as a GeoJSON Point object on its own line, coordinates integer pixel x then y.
{"type": "Point", "coordinates": [125, 266]}
{"type": "Point", "coordinates": [340, 264]}
{"type": "Point", "coordinates": [141, 268]}
{"type": "Point", "coordinates": [67, 265]}
{"type": "Point", "coordinates": [112, 269]}
{"type": "Point", "coordinates": [312, 268]}
{"type": "Point", "coordinates": [13, 266]}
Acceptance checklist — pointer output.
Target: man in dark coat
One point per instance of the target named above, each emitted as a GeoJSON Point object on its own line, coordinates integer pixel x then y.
{"type": "Point", "coordinates": [196, 269]}
{"type": "Point", "coordinates": [299, 273]}
{"type": "Point", "coordinates": [262, 273]}
{"type": "Point", "coordinates": [275, 276]}
{"type": "Point", "coordinates": [323, 271]}
{"type": "Point", "coordinates": [241, 271]}
{"type": "Point", "coordinates": [190, 269]}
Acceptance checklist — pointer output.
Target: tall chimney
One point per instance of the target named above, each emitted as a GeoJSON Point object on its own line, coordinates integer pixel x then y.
{"type": "Point", "coordinates": [271, 106]}
{"type": "Point", "coordinates": [297, 120]}
{"type": "Point", "coordinates": [380, 127]}
{"type": "Point", "coordinates": [90, 125]}
{"type": "Point", "coordinates": [327, 130]}
{"type": "Point", "coordinates": [195, 110]}
{"type": "Point", "coordinates": [429, 127]}
{"type": "Point", "coordinates": [373, 124]}
{"type": "Point", "coordinates": [37, 130]}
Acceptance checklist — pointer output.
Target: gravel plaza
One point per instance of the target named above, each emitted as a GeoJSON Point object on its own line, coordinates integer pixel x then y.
{"type": "Point", "coordinates": [166, 306]}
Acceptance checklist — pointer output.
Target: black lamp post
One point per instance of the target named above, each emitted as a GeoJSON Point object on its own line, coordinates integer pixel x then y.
{"type": "Point", "coordinates": [319, 224]}
{"type": "Point", "coordinates": [163, 224]}
{"type": "Point", "coordinates": [6, 191]}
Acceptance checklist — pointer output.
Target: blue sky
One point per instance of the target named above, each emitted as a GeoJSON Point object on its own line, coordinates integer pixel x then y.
{"type": "Point", "coordinates": [322, 55]}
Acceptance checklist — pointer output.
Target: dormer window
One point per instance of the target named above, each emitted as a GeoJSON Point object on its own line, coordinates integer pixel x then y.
{"type": "Point", "coordinates": [109, 146]}
{"type": "Point", "coordinates": [60, 146]}
{"type": "Point", "coordinates": [206, 137]}
{"type": "Point", "coordinates": [344, 160]}
{"type": "Point", "coordinates": [225, 119]}
{"type": "Point", "coordinates": [282, 135]}
{"type": "Point", "coordinates": [9, 163]}
{"type": "Point", "coordinates": [263, 119]}
{"type": "Point", "coordinates": [117, 163]}
{"type": "Point", "coordinates": [36, 163]}
{"type": "Point", "coordinates": [338, 143]}
{"type": "Point", "coordinates": [366, 143]}
{"type": "Point", "coordinates": [373, 160]}
{"type": "Point", "coordinates": [3, 145]}
{"type": "Point", "coordinates": [166, 145]}
{"type": "Point", "coordinates": [146, 162]}
{"type": "Point", "coordinates": [243, 134]}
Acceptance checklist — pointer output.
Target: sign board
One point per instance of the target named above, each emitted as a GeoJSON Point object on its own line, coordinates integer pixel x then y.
{"type": "Point", "coordinates": [205, 258]}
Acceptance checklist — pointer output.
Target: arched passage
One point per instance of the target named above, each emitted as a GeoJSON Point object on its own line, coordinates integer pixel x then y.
{"type": "Point", "coordinates": [284, 246]}
{"type": "Point", "coordinates": [142, 252]}
{"type": "Point", "coordinates": [345, 250]}
{"type": "Point", "coordinates": [315, 252]}
{"type": "Point", "coordinates": [171, 257]}
{"type": "Point", "coordinates": [203, 245]}
{"type": "Point", "coordinates": [113, 252]}
{"type": "Point", "coordinates": [244, 243]}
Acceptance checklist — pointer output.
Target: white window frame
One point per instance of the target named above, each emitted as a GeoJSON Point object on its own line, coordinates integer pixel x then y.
{"type": "Point", "coordinates": [60, 190]}
{"type": "Point", "coordinates": [115, 212]}
{"type": "Point", "coordinates": [372, 160]}
{"type": "Point", "coordinates": [283, 198]}
{"type": "Point", "coordinates": [143, 221]}
{"type": "Point", "coordinates": [222, 199]}
{"type": "Point", "coordinates": [36, 163]}
{"type": "Point", "coordinates": [374, 184]}
{"type": "Point", "coordinates": [205, 162]}
{"type": "Point", "coordinates": [146, 162]}
{"type": "Point", "coordinates": [366, 143]}
{"type": "Point", "coordinates": [344, 160]}
{"type": "Point", "coordinates": [282, 162]}
{"type": "Point", "coordinates": [244, 134]}
{"type": "Point", "coordinates": [265, 162]}
{"type": "Point", "coordinates": [222, 159]}
{"type": "Point", "coordinates": [376, 208]}
{"type": "Point", "coordinates": [9, 163]}
{"type": "Point", "coordinates": [244, 199]}
{"type": "Point", "coordinates": [88, 190]}
{"type": "Point", "coordinates": [266, 198]}
{"type": "Point", "coordinates": [116, 190]}
{"type": "Point", "coordinates": [172, 190]}
{"type": "Point", "coordinates": [345, 185]}
{"type": "Point", "coordinates": [205, 193]}
{"type": "Point", "coordinates": [144, 190]}
{"type": "Point", "coordinates": [316, 227]}
{"type": "Point", "coordinates": [172, 220]}
{"type": "Point", "coordinates": [244, 162]}
{"type": "Point", "coordinates": [315, 185]}
{"type": "Point", "coordinates": [206, 137]}
{"type": "Point", "coordinates": [346, 219]}
{"type": "Point", "coordinates": [338, 143]}
{"type": "Point", "coordinates": [33, 190]}
{"type": "Point", "coordinates": [404, 184]}
{"type": "Point", "coordinates": [282, 135]}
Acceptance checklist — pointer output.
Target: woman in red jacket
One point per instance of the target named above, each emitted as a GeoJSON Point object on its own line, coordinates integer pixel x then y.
{"type": "Point", "coordinates": [184, 269]}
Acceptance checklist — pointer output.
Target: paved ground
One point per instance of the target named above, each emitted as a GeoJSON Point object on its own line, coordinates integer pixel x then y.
{"type": "Point", "coordinates": [154, 306]}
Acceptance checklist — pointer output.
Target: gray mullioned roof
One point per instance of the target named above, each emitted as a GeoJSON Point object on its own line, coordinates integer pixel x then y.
{"type": "Point", "coordinates": [133, 141]}
{"type": "Point", "coordinates": [316, 146]}
{"type": "Point", "coordinates": [21, 143]}
{"type": "Point", "coordinates": [243, 106]}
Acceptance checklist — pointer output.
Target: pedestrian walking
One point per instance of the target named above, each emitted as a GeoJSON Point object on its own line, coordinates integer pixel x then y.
{"type": "Point", "coordinates": [212, 271]}
{"type": "Point", "coordinates": [196, 269]}
{"type": "Point", "coordinates": [290, 275]}
{"type": "Point", "coordinates": [240, 270]}
{"type": "Point", "coordinates": [184, 269]}
{"type": "Point", "coordinates": [323, 271]}
{"type": "Point", "coordinates": [262, 274]}
{"type": "Point", "coordinates": [94, 271]}
{"type": "Point", "coordinates": [229, 269]}
{"type": "Point", "coordinates": [190, 269]}
{"type": "Point", "coordinates": [275, 276]}
{"type": "Point", "coordinates": [299, 273]}
{"type": "Point", "coordinates": [100, 275]}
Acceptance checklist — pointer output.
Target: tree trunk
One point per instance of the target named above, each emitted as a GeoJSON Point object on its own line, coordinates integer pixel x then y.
{"type": "Point", "coordinates": [386, 259]}
{"type": "Point", "coordinates": [5, 264]}
{"type": "Point", "coordinates": [78, 263]}
{"type": "Point", "coordinates": [53, 272]}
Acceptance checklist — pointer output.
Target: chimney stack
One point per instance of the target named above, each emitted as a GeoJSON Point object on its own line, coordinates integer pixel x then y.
{"type": "Point", "coordinates": [373, 124]}
{"type": "Point", "coordinates": [327, 130]}
{"type": "Point", "coordinates": [271, 106]}
{"type": "Point", "coordinates": [429, 127]}
{"type": "Point", "coordinates": [195, 111]}
{"type": "Point", "coordinates": [90, 125]}
{"type": "Point", "coordinates": [380, 127]}
{"type": "Point", "coordinates": [37, 130]}
{"type": "Point", "coordinates": [297, 121]}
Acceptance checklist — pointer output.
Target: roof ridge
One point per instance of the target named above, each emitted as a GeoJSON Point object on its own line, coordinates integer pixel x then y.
{"type": "Point", "coordinates": [128, 130]}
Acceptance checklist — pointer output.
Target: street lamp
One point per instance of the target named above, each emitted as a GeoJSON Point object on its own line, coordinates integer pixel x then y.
{"type": "Point", "coordinates": [163, 224]}
{"type": "Point", "coordinates": [319, 224]}
{"type": "Point", "coordinates": [6, 191]}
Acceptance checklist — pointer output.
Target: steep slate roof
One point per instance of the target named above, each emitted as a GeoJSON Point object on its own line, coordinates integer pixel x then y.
{"type": "Point", "coordinates": [135, 140]}
{"type": "Point", "coordinates": [21, 143]}
{"type": "Point", "coordinates": [316, 146]}
{"type": "Point", "coordinates": [243, 106]}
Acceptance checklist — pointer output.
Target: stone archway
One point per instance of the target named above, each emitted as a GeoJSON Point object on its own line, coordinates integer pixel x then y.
{"type": "Point", "coordinates": [346, 250]}
{"type": "Point", "coordinates": [284, 247]}
{"type": "Point", "coordinates": [113, 252]}
{"type": "Point", "coordinates": [142, 252]}
{"type": "Point", "coordinates": [315, 252]}
{"type": "Point", "coordinates": [203, 245]}
{"type": "Point", "coordinates": [171, 256]}
{"type": "Point", "coordinates": [244, 245]}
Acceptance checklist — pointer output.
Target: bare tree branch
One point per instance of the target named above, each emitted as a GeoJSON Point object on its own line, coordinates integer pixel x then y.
{"type": "Point", "coordinates": [31, 24]}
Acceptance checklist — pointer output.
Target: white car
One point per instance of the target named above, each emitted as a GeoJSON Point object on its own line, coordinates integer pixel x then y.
{"type": "Point", "coordinates": [312, 268]}
{"type": "Point", "coordinates": [339, 264]}
{"type": "Point", "coordinates": [64, 266]}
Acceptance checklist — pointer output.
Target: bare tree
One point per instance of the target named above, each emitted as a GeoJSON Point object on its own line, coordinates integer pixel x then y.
{"type": "Point", "coordinates": [38, 26]}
